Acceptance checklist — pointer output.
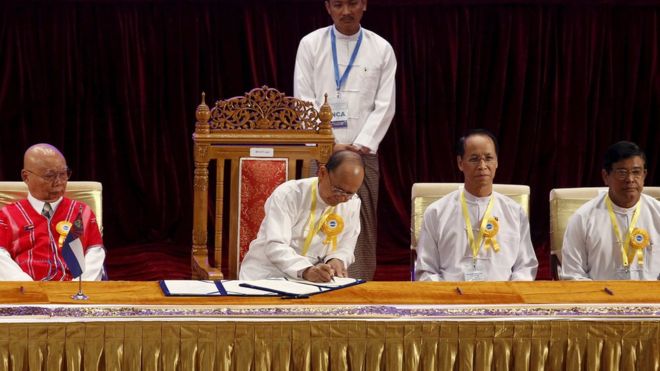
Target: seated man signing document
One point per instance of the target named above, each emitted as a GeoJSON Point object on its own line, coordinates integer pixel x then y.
{"type": "Point", "coordinates": [311, 225]}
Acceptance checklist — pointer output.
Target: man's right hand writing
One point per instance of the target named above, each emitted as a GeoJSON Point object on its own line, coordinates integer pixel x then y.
{"type": "Point", "coordinates": [319, 273]}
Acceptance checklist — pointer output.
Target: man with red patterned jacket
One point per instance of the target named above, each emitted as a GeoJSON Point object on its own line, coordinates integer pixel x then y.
{"type": "Point", "coordinates": [33, 230]}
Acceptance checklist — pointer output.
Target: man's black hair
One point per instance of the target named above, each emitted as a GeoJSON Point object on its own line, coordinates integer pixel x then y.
{"type": "Point", "coordinates": [460, 145]}
{"type": "Point", "coordinates": [621, 151]}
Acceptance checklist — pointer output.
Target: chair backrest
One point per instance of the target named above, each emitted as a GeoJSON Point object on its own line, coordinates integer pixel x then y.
{"type": "Point", "coordinates": [90, 193]}
{"type": "Point", "coordinates": [263, 123]}
{"type": "Point", "coordinates": [424, 194]}
{"type": "Point", "coordinates": [563, 203]}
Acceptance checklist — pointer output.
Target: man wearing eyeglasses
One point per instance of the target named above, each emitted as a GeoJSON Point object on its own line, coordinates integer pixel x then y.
{"type": "Point", "coordinates": [475, 233]}
{"type": "Point", "coordinates": [33, 230]}
{"type": "Point", "coordinates": [615, 236]}
{"type": "Point", "coordinates": [311, 225]}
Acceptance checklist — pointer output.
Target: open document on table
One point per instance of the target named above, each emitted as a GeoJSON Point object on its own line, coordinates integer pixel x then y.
{"type": "Point", "coordinates": [267, 287]}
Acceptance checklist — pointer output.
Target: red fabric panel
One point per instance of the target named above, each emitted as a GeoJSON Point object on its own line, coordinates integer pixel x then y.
{"type": "Point", "coordinates": [258, 178]}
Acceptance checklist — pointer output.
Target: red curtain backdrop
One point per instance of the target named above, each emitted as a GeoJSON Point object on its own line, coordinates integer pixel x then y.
{"type": "Point", "coordinates": [115, 84]}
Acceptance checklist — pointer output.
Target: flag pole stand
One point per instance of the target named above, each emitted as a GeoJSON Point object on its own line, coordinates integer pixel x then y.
{"type": "Point", "coordinates": [80, 295]}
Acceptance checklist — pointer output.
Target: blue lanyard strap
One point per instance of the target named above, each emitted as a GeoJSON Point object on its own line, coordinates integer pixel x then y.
{"type": "Point", "coordinates": [340, 80]}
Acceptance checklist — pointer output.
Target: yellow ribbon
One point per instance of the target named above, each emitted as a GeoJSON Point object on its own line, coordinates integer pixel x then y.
{"type": "Point", "coordinates": [492, 227]}
{"type": "Point", "coordinates": [639, 240]}
{"type": "Point", "coordinates": [315, 227]}
{"type": "Point", "coordinates": [628, 250]}
{"type": "Point", "coordinates": [332, 227]}
{"type": "Point", "coordinates": [476, 245]}
{"type": "Point", "coordinates": [63, 229]}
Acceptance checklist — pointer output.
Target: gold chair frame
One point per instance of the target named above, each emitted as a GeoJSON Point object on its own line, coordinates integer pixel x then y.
{"type": "Point", "coordinates": [263, 118]}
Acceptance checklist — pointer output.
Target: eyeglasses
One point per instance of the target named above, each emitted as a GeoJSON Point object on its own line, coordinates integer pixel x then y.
{"type": "Point", "coordinates": [623, 174]}
{"type": "Point", "coordinates": [52, 176]}
{"type": "Point", "coordinates": [476, 160]}
{"type": "Point", "coordinates": [340, 192]}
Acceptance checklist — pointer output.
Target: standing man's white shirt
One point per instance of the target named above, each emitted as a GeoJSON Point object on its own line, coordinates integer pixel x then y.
{"type": "Point", "coordinates": [444, 253]}
{"type": "Point", "coordinates": [591, 251]}
{"type": "Point", "coordinates": [369, 89]}
{"type": "Point", "coordinates": [277, 250]}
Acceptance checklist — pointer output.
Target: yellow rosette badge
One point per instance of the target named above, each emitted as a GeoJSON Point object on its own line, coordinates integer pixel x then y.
{"type": "Point", "coordinates": [639, 240]}
{"type": "Point", "coordinates": [490, 231]}
{"type": "Point", "coordinates": [332, 227]}
{"type": "Point", "coordinates": [63, 229]}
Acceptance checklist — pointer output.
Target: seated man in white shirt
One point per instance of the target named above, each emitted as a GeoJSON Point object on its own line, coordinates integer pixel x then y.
{"type": "Point", "coordinates": [311, 225]}
{"type": "Point", "coordinates": [615, 236]}
{"type": "Point", "coordinates": [33, 230]}
{"type": "Point", "coordinates": [474, 233]}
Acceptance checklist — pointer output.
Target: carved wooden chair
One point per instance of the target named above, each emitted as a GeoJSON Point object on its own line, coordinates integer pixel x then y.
{"type": "Point", "coordinates": [244, 147]}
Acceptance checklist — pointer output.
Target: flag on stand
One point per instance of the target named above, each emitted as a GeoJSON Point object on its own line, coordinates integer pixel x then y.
{"type": "Point", "coordinates": [72, 248]}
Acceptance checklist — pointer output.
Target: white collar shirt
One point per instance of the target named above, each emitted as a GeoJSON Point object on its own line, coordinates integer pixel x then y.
{"type": "Point", "coordinates": [444, 252]}
{"type": "Point", "coordinates": [590, 249]}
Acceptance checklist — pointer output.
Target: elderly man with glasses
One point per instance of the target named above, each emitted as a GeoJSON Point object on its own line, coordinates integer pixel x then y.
{"type": "Point", "coordinates": [33, 230]}
{"type": "Point", "coordinates": [311, 225]}
{"type": "Point", "coordinates": [616, 235]}
{"type": "Point", "coordinates": [475, 233]}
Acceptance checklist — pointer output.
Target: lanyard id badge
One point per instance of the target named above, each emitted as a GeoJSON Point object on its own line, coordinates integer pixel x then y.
{"type": "Point", "coordinates": [338, 104]}
{"type": "Point", "coordinates": [474, 270]}
{"type": "Point", "coordinates": [623, 274]}
{"type": "Point", "coordinates": [339, 112]}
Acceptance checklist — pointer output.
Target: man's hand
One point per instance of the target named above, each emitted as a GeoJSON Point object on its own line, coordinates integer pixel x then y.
{"type": "Point", "coordinates": [319, 273]}
{"type": "Point", "coordinates": [338, 266]}
{"type": "Point", "coordinates": [351, 147]}
{"type": "Point", "coordinates": [343, 147]}
{"type": "Point", "coordinates": [362, 150]}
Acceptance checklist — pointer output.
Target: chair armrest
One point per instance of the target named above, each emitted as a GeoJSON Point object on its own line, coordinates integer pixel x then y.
{"type": "Point", "coordinates": [202, 270]}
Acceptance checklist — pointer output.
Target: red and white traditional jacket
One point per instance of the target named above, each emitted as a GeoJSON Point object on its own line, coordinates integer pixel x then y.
{"type": "Point", "coordinates": [35, 244]}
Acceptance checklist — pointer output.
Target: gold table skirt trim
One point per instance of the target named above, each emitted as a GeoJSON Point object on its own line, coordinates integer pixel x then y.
{"type": "Point", "coordinates": [332, 345]}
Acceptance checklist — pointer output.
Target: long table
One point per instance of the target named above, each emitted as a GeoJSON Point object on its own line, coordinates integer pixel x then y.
{"type": "Point", "coordinates": [550, 325]}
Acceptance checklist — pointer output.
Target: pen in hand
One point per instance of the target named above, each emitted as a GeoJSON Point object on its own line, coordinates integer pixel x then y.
{"type": "Point", "coordinates": [332, 271]}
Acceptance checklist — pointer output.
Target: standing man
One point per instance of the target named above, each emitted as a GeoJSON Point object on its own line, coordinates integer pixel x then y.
{"type": "Point", "coordinates": [356, 68]}
{"type": "Point", "coordinates": [475, 233]}
{"type": "Point", "coordinates": [33, 230]}
{"type": "Point", "coordinates": [616, 235]}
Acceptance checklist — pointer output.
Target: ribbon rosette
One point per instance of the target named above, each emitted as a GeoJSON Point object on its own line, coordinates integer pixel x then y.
{"type": "Point", "coordinates": [332, 227]}
{"type": "Point", "coordinates": [63, 229]}
{"type": "Point", "coordinates": [639, 240]}
{"type": "Point", "coordinates": [490, 231]}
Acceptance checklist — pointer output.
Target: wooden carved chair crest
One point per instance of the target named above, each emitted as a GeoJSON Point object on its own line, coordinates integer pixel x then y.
{"type": "Point", "coordinates": [244, 147]}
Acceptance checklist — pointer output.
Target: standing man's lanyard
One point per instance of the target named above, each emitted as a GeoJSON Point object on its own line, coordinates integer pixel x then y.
{"type": "Point", "coordinates": [340, 80]}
